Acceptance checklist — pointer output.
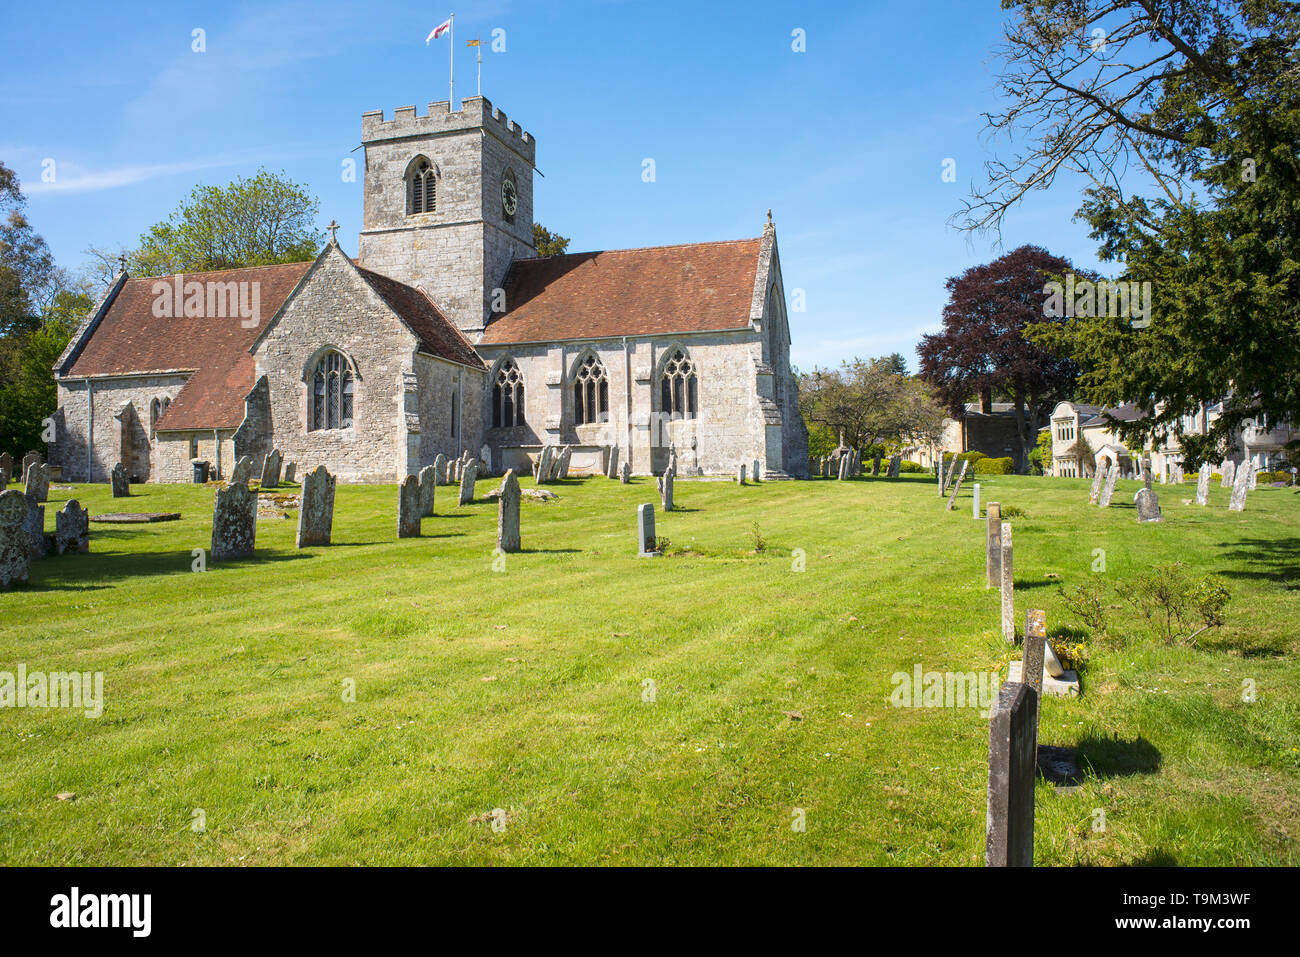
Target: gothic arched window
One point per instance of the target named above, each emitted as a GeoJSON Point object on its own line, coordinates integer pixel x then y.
{"type": "Point", "coordinates": [421, 188]}
{"type": "Point", "coordinates": [155, 413]}
{"type": "Point", "coordinates": [508, 396]}
{"type": "Point", "coordinates": [332, 389]}
{"type": "Point", "coordinates": [590, 392]}
{"type": "Point", "coordinates": [679, 387]}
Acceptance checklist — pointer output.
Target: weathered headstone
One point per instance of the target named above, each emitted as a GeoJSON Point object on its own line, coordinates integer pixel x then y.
{"type": "Point", "coordinates": [6, 469]}
{"type": "Point", "coordinates": [666, 489]}
{"type": "Point", "coordinates": [1008, 587]}
{"type": "Point", "coordinates": [753, 475]}
{"type": "Point", "coordinates": [121, 485]}
{"type": "Point", "coordinates": [408, 508]}
{"type": "Point", "coordinates": [242, 473]}
{"type": "Point", "coordinates": [543, 465]}
{"type": "Point", "coordinates": [1203, 485]}
{"type": "Point", "coordinates": [740, 474]}
{"type": "Point", "coordinates": [15, 549]}
{"type": "Point", "coordinates": [1148, 506]}
{"type": "Point", "coordinates": [1035, 643]}
{"type": "Point", "coordinates": [1253, 471]}
{"type": "Point", "coordinates": [1240, 486]}
{"type": "Point", "coordinates": [468, 476]}
{"type": "Point", "coordinates": [30, 459]}
{"type": "Point", "coordinates": [562, 463]}
{"type": "Point", "coordinates": [613, 461]}
{"type": "Point", "coordinates": [975, 504]}
{"type": "Point", "coordinates": [234, 522]}
{"type": "Point", "coordinates": [290, 471]}
{"type": "Point", "coordinates": [647, 544]}
{"type": "Point", "coordinates": [440, 469]}
{"type": "Point", "coordinates": [625, 474]}
{"type": "Point", "coordinates": [993, 546]}
{"type": "Point", "coordinates": [1146, 472]}
{"type": "Point", "coordinates": [895, 463]}
{"type": "Point", "coordinates": [1229, 473]}
{"type": "Point", "coordinates": [875, 466]}
{"type": "Point", "coordinates": [271, 469]}
{"type": "Point", "coordinates": [316, 511]}
{"type": "Point", "coordinates": [508, 514]}
{"type": "Point", "coordinates": [1097, 478]}
{"type": "Point", "coordinates": [956, 487]}
{"type": "Point", "coordinates": [428, 489]}
{"type": "Point", "coordinates": [37, 488]}
{"type": "Point", "coordinates": [948, 474]}
{"type": "Point", "coordinates": [1013, 760]}
{"type": "Point", "coordinates": [71, 528]}
{"type": "Point", "coordinates": [1108, 489]}
{"type": "Point", "coordinates": [844, 467]}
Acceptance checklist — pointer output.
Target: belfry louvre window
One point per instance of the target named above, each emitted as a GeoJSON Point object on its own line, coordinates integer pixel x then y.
{"type": "Point", "coordinates": [332, 389]}
{"type": "Point", "coordinates": [422, 192]}
{"type": "Point", "coordinates": [591, 392]}
{"type": "Point", "coordinates": [508, 396]}
{"type": "Point", "coordinates": [679, 387]}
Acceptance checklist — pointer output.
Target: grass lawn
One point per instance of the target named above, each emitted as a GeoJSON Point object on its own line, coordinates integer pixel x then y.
{"type": "Point", "coordinates": [522, 689]}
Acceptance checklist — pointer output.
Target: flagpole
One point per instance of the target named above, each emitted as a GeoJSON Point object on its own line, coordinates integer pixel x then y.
{"type": "Point", "coordinates": [451, 63]}
{"type": "Point", "coordinates": [479, 51]}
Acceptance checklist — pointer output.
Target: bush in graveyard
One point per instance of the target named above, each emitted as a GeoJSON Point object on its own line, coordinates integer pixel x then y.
{"type": "Point", "coordinates": [1266, 478]}
{"type": "Point", "coordinates": [1175, 603]}
{"type": "Point", "coordinates": [1008, 512]}
{"type": "Point", "coordinates": [760, 543]}
{"type": "Point", "coordinates": [1088, 603]}
{"type": "Point", "coordinates": [1002, 466]}
{"type": "Point", "coordinates": [911, 467]}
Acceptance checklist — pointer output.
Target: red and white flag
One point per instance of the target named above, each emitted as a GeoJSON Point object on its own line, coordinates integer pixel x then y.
{"type": "Point", "coordinates": [439, 30]}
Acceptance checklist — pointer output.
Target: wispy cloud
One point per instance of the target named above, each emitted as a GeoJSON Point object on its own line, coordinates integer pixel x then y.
{"type": "Point", "coordinates": [81, 180]}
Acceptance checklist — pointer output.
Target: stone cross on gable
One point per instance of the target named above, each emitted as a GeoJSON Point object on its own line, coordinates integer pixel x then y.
{"type": "Point", "coordinates": [333, 227]}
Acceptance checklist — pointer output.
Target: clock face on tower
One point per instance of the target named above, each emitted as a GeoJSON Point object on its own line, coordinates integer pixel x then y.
{"type": "Point", "coordinates": [509, 195]}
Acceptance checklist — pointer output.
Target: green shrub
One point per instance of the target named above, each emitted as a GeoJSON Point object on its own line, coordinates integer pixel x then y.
{"type": "Point", "coordinates": [987, 466]}
{"type": "Point", "coordinates": [1265, 478]}
{"type": "Point", "coordinates": [1008, 512]}
{"type": "Point", "coordinates": [971, 456]}
{"type": "Point", "coordinates": [910, 467]}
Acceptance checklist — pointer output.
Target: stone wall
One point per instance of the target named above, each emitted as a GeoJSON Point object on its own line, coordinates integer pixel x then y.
{"type": "Point", "coordinates": [110, 396]}
{"type": "Point", "coordinates": [447, 389]}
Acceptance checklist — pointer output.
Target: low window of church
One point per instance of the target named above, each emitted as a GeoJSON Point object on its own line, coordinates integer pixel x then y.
{"type": "Point", "coordinates": [591, 392]}
{"type": "Point", "coordinates": [508, 396]}
{"type": "Point", "coordinates": [332, 391]}
{"type": "Point", "coordinates": [422, 189]}
{"type": "Point", "coordinates": [679, 387]}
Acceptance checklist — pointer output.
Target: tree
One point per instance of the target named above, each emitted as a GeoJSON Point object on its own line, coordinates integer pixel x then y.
{"type": "Point", "coordinates": [982, 350]}
{"type": "Point", "coordinates": [27, 390]}
{"type": "Point", "coordinates": [865, 402]}
{"type": "Point", "coordinates": [547, 242]}
{"type": "Point", "coordinates": [258, 221]}
{"type": "Point", "coordinates": [26, 266]}
{"type": "Point", "coordinates": [1041, 456]}
{"type": "Point", "coordinates": [1202, 99]}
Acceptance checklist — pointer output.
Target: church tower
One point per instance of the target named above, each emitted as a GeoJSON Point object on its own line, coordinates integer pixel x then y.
{"type": "Point", "coordinates": [448, 203]}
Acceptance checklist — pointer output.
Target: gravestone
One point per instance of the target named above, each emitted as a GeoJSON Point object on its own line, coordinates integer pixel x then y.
{"type": "Point", "coordinates": [613, 461]}
{"type": "Point", "coordinates": [408, 508]}
{"type": "Point", "coordinates": [508, 514]}
{"type": "Point", "coordinates": [15, 549]}
{"type": "Point", "coordinates": [1203, 485]}
{"type": "Point", "coordinates": [290, 471]}
{"type": "Point", "coordinates": [1146, 472]}
{"type": "Point", "coordinates": [428, 483]}
{"type": "Point", "coordinates": [6, 469]}
{"type": "Point", "coordinates": [30, 459]}
{"type": "Point", "coordinates": [234, 522]}
{"type": "Point", "coordinates": [666, 489]}
{"type": "Point", "coordinates": [625, 475]}
{"type": "Point", "coordinates": [316, 512]}
{"type": "Point", "coordinates": [1229, 473]}
{"type": "Point", "coordinates": [875, 466]}
{"type": "Point", "coordinates": [1108, 489]}
{"type": "Point", "coordinates": [844, 467]}
{"type": "Point", "coordinates": [993, 547]}
{"type": "Point", "coordinates": [1095, 491]}
{"type": "Point", "coordinates": [37, 488]}
{"type": "Point", "coordinates": [37, 543]}
{"type": "Point", "coordinates": [118, 478]}
{"type": "Point", "coordinates": [975, 504]}
{"type": "Point", "coordinates": [271, 469]}
{"type": "Point", "coordinates": [854, 459]}
{"type": "Point", "coordinates": [440, 469]}
{"type": "Point", "coordinates": [948, 473]}
{"type": "Point", "coordinates": [1008, 587]}
{"type": "Point", "coordinates": [956, 487]}
{"type": "Point", "coordinates": [1035, 643]}
{"type": "Point", "coordinates": [647, 545]}
{"type": "Point", "coordinates": [1040, 660]}
{"type": "Point", "coordinates": [71, 528]}
{"type": "Point", "coordinates": [468, 475]}
{"type": "Point", "coordinates": [242, 473]}
{"type": "Point", "coordinates": [895, 463]}
{"type": "Point", "coordinates": [1253, 470]}
{"type": "Point", "coordinates": [543, 465]}
{"type": "Point", "coordinates": [753, 475]}
{"type": "Point", "coordinates": [562, 463]}
{"type": "Point", "coordinates": [1148, 506]}
{"type": "Point", "coordinates": [1240, 486]}
{"type": "Point", "coordinates": [740, 474]}
{"type": "Point", "coordinates": [1013, 760]}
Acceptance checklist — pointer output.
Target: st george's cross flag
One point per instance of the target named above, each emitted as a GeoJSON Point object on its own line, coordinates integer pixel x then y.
{"type": "Point", "coordinates": [439, 30]}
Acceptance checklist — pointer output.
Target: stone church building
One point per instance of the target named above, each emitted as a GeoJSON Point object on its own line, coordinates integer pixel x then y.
{"type": "Point", "coordinates": [447, 333]}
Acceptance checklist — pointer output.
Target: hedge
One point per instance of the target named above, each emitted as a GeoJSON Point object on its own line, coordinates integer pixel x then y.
{"type": "Point", "coordinates": [988, 466]}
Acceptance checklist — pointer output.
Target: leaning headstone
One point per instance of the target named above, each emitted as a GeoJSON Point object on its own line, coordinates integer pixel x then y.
{"type": "Point", "coordinates": [6, 469]}
{"type": "Point", "coordinates": [1253, 470]}
{"type": "Point", "coordinates": [613, 461]}
{"type": "Point", "coordinates": [121, 485]}
{"type": "Point", "coordinates": [956, 487]}
{"type": "Point", "coordinates": [1008, 587]}
{"type": "Point", "coordinates": [666, 489]}
{"type": "Point", "coordinates": [544, 465]}
{"type": "Point", "coordinates": [947, 474]}
{"type": "Point", "coordinates": [290, 471]}
{"type": "Point", "coordinates": [15, 550]}
{"type": "Point", "coordinates": [1035, 644]}
{"type": "Point", "coordinates": [1013, 760]}
{"type": "Point", "coordinates": [1203, 485]}
{"type": "Point", "coordinates": [37, 488]}
{"type": "Point", "coordinates": [993, 547]}
{"type": "Point", "coordinates": [895, 463]}
{"type": "Point", "coordinates": [844, 467]}
{"type": "Point", "coordinates": [753, 475]}
{"type": "Point", "coordinates": [508, 514]}
{"type": "Point", "coordinates": [975, 505]}
{"type": "Point", "coordinates": [408, 508]}
{"type": "Point", "coordinates": [647, 544]}
{"type": "Point", "coordinates": [1108, 489]}
{"type": "Point", "coordinates": [468, 475]}
{"type": "Point", "coordinates": [440, 469]}
{"type": "Point", "coordinates": [562, 463]}
{"type": "Point", "coordinates": [1229, 473]}
{"type": "Point", "coordinates": [1148, 505]}
{"type": "Point", "coordinates": [271, 469]}
{"type": "Point", "coordinates": [316, 512]}
{"type": "Point", "coordinates": [740, 474]}
{"type": "Point", "coordinates": [428, 481]}
{"type": "Point", "coordinates": [625, 475]}
{"type": "Point", "coordinates": [1097, 478]}
{"type": "Point", "coordinates": [1240, 486]}
{"type": "Point", "coordinates": [71, 528]}
{"type": "Point", "coordinates": [242, 473]}
{"type": "Point", "coordinates": [875, 466]}
{"type": "Point", "coordinates": [30, 459]}
{"type": "Point", "coordinates": [234, 523]}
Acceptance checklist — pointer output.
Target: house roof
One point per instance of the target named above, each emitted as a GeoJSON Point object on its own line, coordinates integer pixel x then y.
{"type": "Point", "coordinates": [659, 290]}
{"type": "Point", "coordinates": [437, 334]}
{"type": "Point", "coordinates": [1098, 416]}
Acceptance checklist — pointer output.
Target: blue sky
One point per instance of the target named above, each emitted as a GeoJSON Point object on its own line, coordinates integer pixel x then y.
{"type": "Point", "coordinates": [844, 142]}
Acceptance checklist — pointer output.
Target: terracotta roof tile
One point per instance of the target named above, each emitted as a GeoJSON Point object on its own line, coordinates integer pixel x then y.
{"type": "Point", "coordinates": [658, 290]}
{"type": "Point", "coordinates": [437, 334]}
